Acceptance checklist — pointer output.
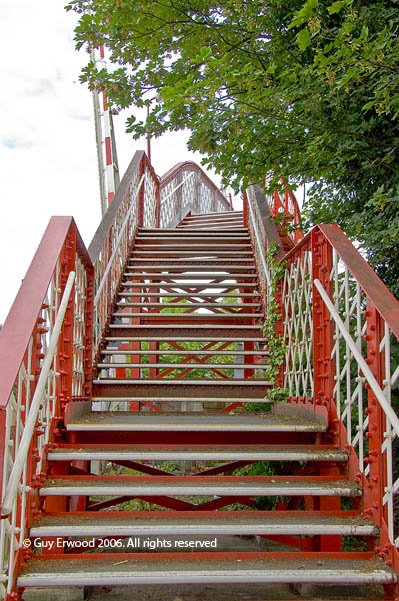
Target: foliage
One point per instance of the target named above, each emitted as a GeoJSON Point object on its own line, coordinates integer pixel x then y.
{"type": "Point", "coordinates": [275, 344]}
{"type": "Point", "coordinates": [306, 89]}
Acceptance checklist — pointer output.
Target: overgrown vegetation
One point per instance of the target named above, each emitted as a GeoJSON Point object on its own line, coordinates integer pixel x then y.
{"type": "Point", "coordinates": [275, 344]}
{"type": "Point", "coordinates": [306, 89]}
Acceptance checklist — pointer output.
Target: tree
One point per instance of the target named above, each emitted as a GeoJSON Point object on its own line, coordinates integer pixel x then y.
{"type": "Point", "coordinates": [303, 89]}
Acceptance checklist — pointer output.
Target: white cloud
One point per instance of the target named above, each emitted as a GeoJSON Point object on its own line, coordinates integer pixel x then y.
{"type": "Point", "coordinates": [47, 142]}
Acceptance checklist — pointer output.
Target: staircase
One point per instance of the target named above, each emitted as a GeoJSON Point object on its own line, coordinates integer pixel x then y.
{"type": "Point", "coordinates": [170, 453]}
{"type": "Point", "coordinates": [183, 359]}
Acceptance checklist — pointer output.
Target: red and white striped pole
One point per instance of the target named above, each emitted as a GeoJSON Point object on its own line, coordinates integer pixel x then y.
{"type": "Point", "coordinates": [106, 147]}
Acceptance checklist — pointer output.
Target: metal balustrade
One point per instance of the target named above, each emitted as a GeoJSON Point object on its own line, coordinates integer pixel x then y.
{"type": "Point", "coordinates": [187, 188]}
{"type": "Point", "coordinates": [341, 326]}
{"type": "Point", "coordinates": [44, 358]}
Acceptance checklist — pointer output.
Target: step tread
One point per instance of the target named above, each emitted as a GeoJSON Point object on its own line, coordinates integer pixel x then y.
{"type": "Point", "coordinates": [184, 381]}
{"type": "Point", "coordinates": [116, 420]}
{"type": "Point", "coordinates": [175, 338]}
{"type": "Point", "coordinates": [199, 485]}
{"type": "Point", "coordinates": [198, 305]}
{"type": "Point", "coordinates": [230, 352]}
{"type": "Point", "coordinates": [189, 284]}
{"type": "Point", "coordinates": [198, 452]}
{"type": "Point", "coordinates": [194, 522]}
{"type": "Point", "coordinates": [187, 315]}
{"type": "Point", "coordinates": [187, 365]}
{"type": "Point", "coordinates": [121, 568]}
{"type": "Point", "coordinates": [175, 399]}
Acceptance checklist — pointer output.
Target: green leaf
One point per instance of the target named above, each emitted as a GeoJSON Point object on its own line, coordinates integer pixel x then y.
{"type": "Point", "coordinates": [304, 14]}
{"type": "Point", "coordinates": [303, 39]}
{"type": "Point", "coordinates": [336, 7]}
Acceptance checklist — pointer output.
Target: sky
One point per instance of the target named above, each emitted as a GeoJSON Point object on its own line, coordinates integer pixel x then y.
{"type": "Point", "coordinates": [48, 163]}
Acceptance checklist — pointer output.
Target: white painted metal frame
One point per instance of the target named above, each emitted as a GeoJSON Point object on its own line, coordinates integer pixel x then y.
{"type": "Point", "coordinates": [189, 190]}
{"type": "Point", "coordinates": [298, 326]}
{"type": "Point", "coordinates": [32, 405]}
{"type": "Point", "coordinates": [112, 258]}
{"type": "Point", "coordinates": [347, 307]}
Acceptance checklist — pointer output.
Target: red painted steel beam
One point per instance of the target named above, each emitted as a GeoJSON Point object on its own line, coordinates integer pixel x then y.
{"type": "Point", "coordinates": [21, 320]}
{"type": "Point", "coordinates": [384, 300]}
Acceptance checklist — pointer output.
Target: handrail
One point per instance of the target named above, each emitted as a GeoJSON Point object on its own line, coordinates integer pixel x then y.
{"type": "Point", "coordinates": [165, 198]}
{"type": "Point", "coordinates": [259, 244]}
{"type": "Point", "coordinates": [108, 220]}
{"type": "Point", "coordinates": [368, 280]}
{"type": "Point", "coordinates": [17, 329]}
{"type": "Point", "coordinates": [190, 165]}
{"type": "Point", "coordinates": [117, 244]}
{"type": "Point", "coordinates": [368, 374]}
{"type": "Point", "coordinates": [20, 459]}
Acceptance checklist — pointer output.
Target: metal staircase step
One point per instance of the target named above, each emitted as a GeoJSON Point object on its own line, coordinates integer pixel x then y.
{"type": "Point", "coordinates": [191, 305]}
{"type": "Point", "coordinates": [215, 214]}
{"type": "Point", "coordinates": [167, 295]}
{"type": "Point", "coordinates": [206, 332]}
{"type": "Point", "coordinates": [214, 387]}
{"type": "Point", "coordinates": [205, 252]}
{"type": "Point", "coordinates": [166, 338]}
{"type": "Point", "coordinates": [198, 485]}
{"type": "Point", "coordinates": [212, 220]}
{"type": "Point", "coordinates": [200, 235]}
{"type": "Point", "coordinates": [187, 315]}
{"type": "Point", "coordinates": [182, 238]}
{"type": "Point", "coordinates": [202, 568]}
{"type": "Point", "coordinates": [192, 284]}
{"type": "Point", "coordinates": [227, 352]}
{"type": "Point", "coordinates": [192, 261]}
{"type": "Point", "coordinates": [220, 452]}
{"type": "Point", "coordinates": [194, 277]}
{"type": "Point", "coordinates": [187, 382]}
{"type": "Point", "coordinates": [192, 422]}
{"type": "Point", "coordinates": [205, 523]}
{"type": "Point", "coordinates": [187, 365]}
{"type": "Point", "coordinates": [176, 399]}
{"type": "Point", "coordinates": [189, 266]}
{"type": "Point", "coordinates": [206, 245]}
{"type": "Point", "coordinates": [207, 227]}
